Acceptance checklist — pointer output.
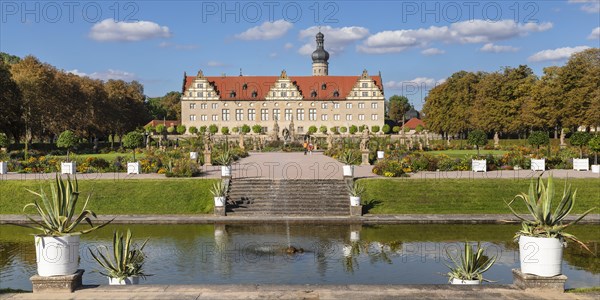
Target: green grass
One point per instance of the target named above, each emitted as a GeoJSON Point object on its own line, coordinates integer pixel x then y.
{"type": "Point", "coordinates": [462, 196]}
{"type": "Point", "coordinates": [595, 289]}
{"type": "Point", "coordinates": [122, 196]}
{"type": "Point", "coordinates": [12, 291]}
{"type": "Point", "coordinates": [462, 153]}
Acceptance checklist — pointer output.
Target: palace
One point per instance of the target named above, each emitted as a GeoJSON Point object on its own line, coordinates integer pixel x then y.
{"type": "Point", "coordinates": [319, 100]}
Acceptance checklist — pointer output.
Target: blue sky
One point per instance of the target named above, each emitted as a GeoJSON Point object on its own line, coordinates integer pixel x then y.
{"type": "Point", "coordinates": [414, 44]}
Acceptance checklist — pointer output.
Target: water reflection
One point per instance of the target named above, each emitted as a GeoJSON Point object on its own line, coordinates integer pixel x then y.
{"type": "Point", "coordinates": [335, 254]}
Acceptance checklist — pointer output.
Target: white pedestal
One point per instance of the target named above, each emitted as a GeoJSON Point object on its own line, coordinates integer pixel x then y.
{"type": "Point", "coordinates": [479, 165]}
{"type": "Point", "coordinates": [68, 167]}
{"type": "Point", "coordinates": [133, 167]}
{"type": "Point", "coordinates": [581, 164]}
{"type": "Point", "coordinates": [193, 155]}
{"type": "Point", "coordinates": [595, 168]}
{"type": "Point", "coordinates": [380, 154]}
{"type": "Point", "coordinates": [3, 167]}
{"type": "Point", "coordinates": [538, 164]}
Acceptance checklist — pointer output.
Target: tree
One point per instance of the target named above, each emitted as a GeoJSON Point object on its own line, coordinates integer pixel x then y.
{"type": "Point", "coordinates": [171, 129]}
{"type": "Point", "coordinates": [477, 138]}
{"type": "Point", "coordinates": [133, 140]}
{"type": "Point", "coordinates": [419, 128]}
{"type": "Point", "coordinates": [312, 129]}
{"type": "Point", "coordinates": [202, 130]}
{"type": "Point", "coordinates": [594, 144]}
{"type": "Point", "coordinates": [396, 129]}
{"type": "Point", "coordinates": [9, 59]}
{"type": "Point", "coordinates": [323, 129]}
{"type": "Point", "coordinates": [10, 103]}
{"type": "Point", "coordinates": [193, 130]}
{"type": "Point", "coordinates": [160, 128]}
{"type": "Point", "coordinates": [225, 130]}
{"type": "Point", "coordinates": [257, 129]}
{"type": "Point", "coordinates": [386, 129]}
{"type": "Point", "coordinates": [4, 142]}
{"type": "Point", "coordinates": [343, 129]}
{"type": "Point", "coordinates": [180, 129]}
{"type": "Point", "coordinates": [213, 128]}
{"type": "Point", "coordinates": [165, 107]}
{"type": "Point", "coordinates": [375, 129]}
{"type": "Point", "coordinates": [235, 129]}
{"type": "Point", "coordinates": [334, 130]}
{"type": "Point", "coordinates": [362, 128]}
{"type": "Point", "coordinates": [398, 107]}
{"type": "Point", "coordinates": [245, 129]}
{"type": "Point", "coordinates": [580, 138]}
{"type": "Point", "coordinates": [68, 140]}
{"type": "Point", "coordinates": [538, 138]}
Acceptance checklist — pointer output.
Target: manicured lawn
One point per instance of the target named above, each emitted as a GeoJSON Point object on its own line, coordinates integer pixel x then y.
{"type": "Point", "coordinates": [462, 153]}
{"type": "Point", "coordinates": [121, 196]}
{"type": "Point", "coordinates": [463, 196]}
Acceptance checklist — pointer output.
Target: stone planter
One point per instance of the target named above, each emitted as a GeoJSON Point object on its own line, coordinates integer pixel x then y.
{"type": "Point", "coordinates": [581, 164]}
{"type": "Point", "coordinates": [538, 164]}
{"type": "Point", "coordinates": [595, 168]}
{"type": "Point", "coordinates": [68, 167]}
{"type": "Point", "coordinates": [219, 201]}
{"type": "Point", "coordinates": [225, 171]}
{"type": "Point", "coordinates": [193, 155]}
{"type": "Point", "coordinates": [133, 167]}
{"type": "Point", "coordinates": [479, 165]}
{"type": "Point", "coordinates": [354, 201]}
{"type": "Point", "coordinates": [348, 170]}
{"type": "Point", "coordinates": [464, 282]}
{"type": "Point", "coordinates": [57, 255]}
{"type": "Point", "coordinates": [3, 167]}
{"type": "Point", "coordinates": [380, 154]}
{"type": "Point", "coordinates": [540, 256]}
{"type": "Point", "coordinates": [131, 280]}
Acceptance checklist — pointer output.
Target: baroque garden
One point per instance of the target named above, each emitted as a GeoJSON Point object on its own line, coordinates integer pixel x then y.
{"type": "Point", "coordinates": [334, 155]}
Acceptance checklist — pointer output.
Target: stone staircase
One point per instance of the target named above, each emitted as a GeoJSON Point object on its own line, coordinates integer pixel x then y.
{"type": "Point", "coordinates": [288, 197]}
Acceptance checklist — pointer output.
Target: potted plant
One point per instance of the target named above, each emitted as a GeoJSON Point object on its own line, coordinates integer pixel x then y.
{"type": "Point", "coordinates": [125, 267]}
{"type": "Point", "coordinates": [225, 160]}
{"type": "Point", "coordinates": [57, 247]}
{"type": "Point", "coordinates": [538, 138]}
{"type": "Point", "coordinates": [469, 265]}
{"type": "Point", "coordinates": [594, 144]}
{"type": "Point", "coordinates": [133, 140]}
{"type": "Point", "coordinates": [542, 238]}
{"type": "Point", "coordinates": [67, 139]}
{"type": "Point", "coordinates": [478, 139]}
{"type": "Point", "coordinates": [355, 189]}
{"type": "Point", "coordinates": [348, 158]}
{"type": "Point", "coordinates": [580, 138]}
{"type": "Point", "coordinates": [219, 191]}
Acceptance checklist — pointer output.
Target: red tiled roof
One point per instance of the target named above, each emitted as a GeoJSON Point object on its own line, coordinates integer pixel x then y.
{"type": "Point", "coordinates": [413, 123]}
{"type": "Point", "coordinates": [167, 123]}
{"type": "Point", "coordinates": [262, 85]}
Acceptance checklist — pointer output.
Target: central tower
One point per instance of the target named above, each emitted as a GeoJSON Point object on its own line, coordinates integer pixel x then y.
{"type": "Point", "coordinates": [320, 66]}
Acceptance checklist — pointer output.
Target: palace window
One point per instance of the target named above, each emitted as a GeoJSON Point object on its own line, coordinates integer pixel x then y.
{"type": "Point", "coordinates": [192, 105]}
{"type": "Point", "coordinates": [349, 105]}
{"type": "Point", "coordinates": [336, 105]}
{"type": "Point", "coordinates": [361, 117]}
{"type": "Point", "coordinates": [312, 114]}
{"type": "Point", "coordinates": [374, 105]}
{"type": "Point", "coordinates": [215, 117]}
{"type": "Point", "coordinates": [361, 105]}
{"type": "Point", "coordinates": [365, 94]}
{"type": "Point", "coordinates": [313, 94]}
{"type": "Point", "coordinates": [355, 94]}
{"type": "Point", "coordinates": [348, 117]}
{"type": "Point", "coordinates": [215, 105]}
{"type": "Point", "coordinates": [254, 94]}
{"type": "Point", "coordinates": [284, 85]}
{"type": "Point", "coordinates": [324, 105]}
{"type": "Point", "coordinates": [374, 94]}
{"type": "Point", "coordinates": [264, 114]}
{"type": "Point", "coordinates": [204, 118]}
{"type": "Point", "coordinates": [251, 114]}
{"type": "Point", "coordinates": [276, 114]}
{"type": "Point", "coordinates": [300, 114]}
{"type": "Point", "coordinates": [374, 117]}
{"type": "Point", "coordinates": [323, 117]}
{"type": "Point", "coordinates": [209, 94]}
{"type": "Point", "coordinates": [225, 114]}
{"type": "Point", "coordinates": [365, 85]}
{"type": "Point", "coordinates": [192, 117]}
{"type": "Point", "coordinates": [199, 85]}
{"type": "Point", "coordinates": [336, 117]}
{"type": "Point", "coordinates": [336, 94]}
{"type": "Point", "coordinates": [203, 105]}
{"type": "Point", "coordinates": [239, 114]}
{"type": "Point", "coordinates": [288, 114]}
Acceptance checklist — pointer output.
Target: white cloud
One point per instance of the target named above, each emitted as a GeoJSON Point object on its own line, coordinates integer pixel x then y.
{"type": "Point", "coordinates": [214, 63]}
{"type": "Point", "coordinates": [288, 46]}
{"type": "Point", "coordinates": [106, 75]}
{"type": "Point", "coordinates": [266, 31]}
{"type": "Point", "coordinates": [423, 83]}
{"type": "Point", "coordinates": [110, 30]}
{"type": "Point", "coordinates": [336, 38]}
{"type": "Point", "coordinates": [589, 6]}
{"type": "Point", "coordinates": [177, 46]}
{"type": "Point", "coordinates": [595, 35]}
{"type": "Point", "coordinates": [432, 51]}
{"type": "Point", "coordinates": [490, 47]}
{"type": "Point", "coordinates": [475, 31]}
{"type": "Point", "coordinates": [273, 54]}
{"type": "Point", "coordinates": [556, 54]}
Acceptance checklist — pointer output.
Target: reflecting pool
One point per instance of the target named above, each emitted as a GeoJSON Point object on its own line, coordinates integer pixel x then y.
{"type": "Point", "coordinates": [325, 254]}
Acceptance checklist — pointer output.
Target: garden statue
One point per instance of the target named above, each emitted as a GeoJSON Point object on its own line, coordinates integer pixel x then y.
{"type": "Point", "coordinates": [207, 142]}
{"type": "Point", "coordinates": [329, 141]}
{"type": "Point", "coordinates": [364, 142]}
{"type": "Point", "coordinates": [241, 142]}
{"type": "Point", "coordinates": [496, 140]}
{"type": "Point", "coordinates": [291, 130]}
{"type": "Point", "coordinates": [286, 135]}
{"type": "Point", "coordinates": [275, 134]}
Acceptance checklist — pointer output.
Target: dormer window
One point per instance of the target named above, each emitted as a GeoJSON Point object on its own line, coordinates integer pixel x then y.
{"type": "Point", "coordinates": [254, 94]}
{"type": "Point", "coordinates": [232, 94]}
{"type": "Point", "coordinates": [313, 93]}
{"type": "Point", "coordinates": [336, 93]}
{"type": "Point", "coordinates": [324, 86]}
{"type": "Point", "coordinates": [245, 86]}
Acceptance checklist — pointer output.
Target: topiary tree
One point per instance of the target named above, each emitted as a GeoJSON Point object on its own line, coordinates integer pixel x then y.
{"type": "Point", "coordinates": [396, 129]}
{"type": "Point", "coordinates": [257, 129]}
{"type": "Point", "coordinates": [235, 129]}
{"type": "Point", "coordinates": [334, 130]}
{"type": "Point", "coordinates": [406, 129]}
{"type": "Point", "coordinates": [594, 144]}
{"type": "Point", "coordinates": [353, 129]}
{"type": "Point", "coordinates": [343, 129]}
{"type": "Point", "coordinates": [202, 130]}
{"type": "Point", "coordinates": [386, 129]}
{"type": "Point", "coordinates": [477, 138]}
{"type": "Point", "coordinates": [323, 129]}
{"type": "Point", "coordinates": [538, 138]}
{"type": "Point", "coordinates": [149, 128]}
{"type": "Point", "coordinates": [419, 128]}
{"type": "Point", "coordinates": [312, 129]}
{"type": "Point", "coordinates": [213, 129]}
{"type": "Point", "coordinates": [225, 130]}
{"type": "Point", "coordinates": [375, 129]}
{"type": "Point", "coordinates": [171, 129]}
{"type": "Point", "coordinates": [180, 129]}
{"type": "Point", "coordinates": [246, 129]}
{"type": "Point", "coordinates": [193, 130]}
{"type": "Point", "coordinates": [133, 140]}
{"type": "Point", "coordinates": [362, 128]}
{"type": "Point", "coordinates": [67, 139]}
{"type": "Point", "coordinates": [580, 138]}
{"type": "Point", "coordinates": [160, 128]}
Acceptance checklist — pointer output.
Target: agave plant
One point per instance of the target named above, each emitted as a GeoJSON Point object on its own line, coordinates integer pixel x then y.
{"type": "Point", "coordinates": [218, 189]}
{"type": "Point", "coordinates": [57, 211]}
{"type": "Point", "coordinates": [348, 157]}
{"type": "Point", "coordinates": [127, 259]}
{"type": "Point", "coordinates": [470, 265]}
{"type": "Point", "coordinates": [225, 159]}
{"type": "Point", "coordinates": [355, 189]}
{"type": "Point", "coordinates": [546, 223]}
